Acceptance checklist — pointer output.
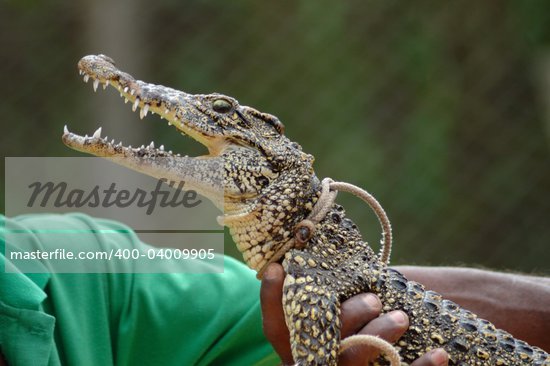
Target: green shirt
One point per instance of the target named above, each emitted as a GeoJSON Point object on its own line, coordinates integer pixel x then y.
{"type": "Point", "coordinates": [125, 318]}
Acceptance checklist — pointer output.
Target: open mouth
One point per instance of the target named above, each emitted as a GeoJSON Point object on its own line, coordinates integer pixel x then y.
{"type": "Point", "coordinates": [177, 107]}
{"type": "Point", "coordinates": [148, 98]}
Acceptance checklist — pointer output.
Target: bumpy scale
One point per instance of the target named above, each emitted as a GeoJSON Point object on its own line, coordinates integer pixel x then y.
{"type": "Point", "coordinates": [269, 187]}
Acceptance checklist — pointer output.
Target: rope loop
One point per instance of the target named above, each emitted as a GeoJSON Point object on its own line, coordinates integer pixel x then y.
{"type": "Point", "coordinates": [372, 341]}
{"type": "Point", "coordinates": [329, 191]}
{"type": "Point", "coordinates": [386, 241]}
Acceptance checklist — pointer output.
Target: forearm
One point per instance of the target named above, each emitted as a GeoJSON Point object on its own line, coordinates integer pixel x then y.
{"type": "Point", "coordinates": [518, 304]}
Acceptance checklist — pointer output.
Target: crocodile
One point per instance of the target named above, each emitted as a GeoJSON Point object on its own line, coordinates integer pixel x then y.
{"type": "Point", "coordinates": [270, 187]}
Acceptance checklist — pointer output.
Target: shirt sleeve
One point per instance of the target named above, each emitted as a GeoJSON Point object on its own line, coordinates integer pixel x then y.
{"type": "Point", "coordinates": [151, 318]}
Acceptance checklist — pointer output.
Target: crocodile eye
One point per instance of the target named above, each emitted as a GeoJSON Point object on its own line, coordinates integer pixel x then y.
{"type": "Point", "coordinates": [221, 106]}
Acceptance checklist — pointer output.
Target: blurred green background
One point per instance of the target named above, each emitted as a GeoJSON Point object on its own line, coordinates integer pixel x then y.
{"type": "Point", "coordinates": [440, 109]}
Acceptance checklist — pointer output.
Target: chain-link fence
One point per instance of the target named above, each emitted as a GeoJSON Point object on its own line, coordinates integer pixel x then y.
{"type": "Point", "coordinates": [440, 109]}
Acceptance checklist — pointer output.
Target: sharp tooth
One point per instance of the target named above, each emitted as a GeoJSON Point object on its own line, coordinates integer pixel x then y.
{"type": "Point", "coordinates": [86, 78]}
{"type": "Point", "coordinates": [161, 148]}
{"type": "Point", "coordinates": [125, 100]}
{"type": "Point", "coordinates": [65, 130]}
{"type": "Point", "coordinates": [166, 111]}
{"type": "Point", "coordinates": [132, 92]}
{"type": "Point", "coordinates": [106, 84]}
{"type": "Point", "coordinates": [112, 141]}
{"type": "Point", "coordinates": [178, 155]}
{"type": "Point", "coordinates": [97, 133]}
{"type": "Point", "coordinates": [119, 144]}
{"type": "Point", "coordinates": [129, 146]}
{"type": "Point", "coordinates": [136, 103]}
{"type": "Point", "coordinates": [161, 117]}
{"type": "Point", "coordinates": [142, 113]}
{"type": "Point", "coordinates": [152, 145]}
{"type": "Point", "coordinates": [80, 72]}
{"type": "Point", "coordinates": [142, 147]}
{"type": "Point", "coordinates": [169, 123]}
{"type": "Point", "coordinates": [106, 138]}
{"type": "Point", "coordinates": [86, 136]}
{"type": "Point", "coordinates": [96, 84]}
{"type": "Point", "coordinates": [126, 89]}
{"type": "Point", "coordinates": [145, 109]}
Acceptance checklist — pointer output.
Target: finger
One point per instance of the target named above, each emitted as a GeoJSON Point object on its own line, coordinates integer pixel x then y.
{"type": "Point", "coordinates": [271, 296]}
{"type": "Point", "coordinates": [436, 357]}
{"type": "Point", "coordinates": [358, 311]}
{"type": "Point", "coordinates": [390, 327]}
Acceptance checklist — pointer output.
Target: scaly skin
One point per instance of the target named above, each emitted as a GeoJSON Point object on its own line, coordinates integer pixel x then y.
{"type": "Point", "coordinates": [269, 187]}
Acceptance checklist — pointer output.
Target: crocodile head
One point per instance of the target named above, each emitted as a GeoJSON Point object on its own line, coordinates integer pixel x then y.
{"type": "Point", "coordinates": [266, 179]}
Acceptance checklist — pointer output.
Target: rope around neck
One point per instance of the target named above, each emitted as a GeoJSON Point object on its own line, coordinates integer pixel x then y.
{"type": "Point", "coordinates": [334, 187]}
{"type": "Point", "coordinates": [329, 191]}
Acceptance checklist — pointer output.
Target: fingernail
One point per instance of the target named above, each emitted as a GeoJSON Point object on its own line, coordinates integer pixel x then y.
{"type": "Point", "coordinates": [373, 301]}
{"type": "Point", "coordinates": [399, 317]}
{"type": "Point", "coordinates": [270, 272]}
{"type": "Point", "coordinates": [439, 357]}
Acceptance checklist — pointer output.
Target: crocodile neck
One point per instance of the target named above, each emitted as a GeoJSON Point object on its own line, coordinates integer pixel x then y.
{"type": "Point", "coordinates": [270, 223]}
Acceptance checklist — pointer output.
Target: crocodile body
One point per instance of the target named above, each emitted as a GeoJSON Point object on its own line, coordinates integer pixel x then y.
{"type": "Point", "coordinates": [270, 186]}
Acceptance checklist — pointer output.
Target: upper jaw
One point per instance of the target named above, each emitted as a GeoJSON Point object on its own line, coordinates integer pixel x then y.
{"type": "Point", "coordinates": [173, 105]}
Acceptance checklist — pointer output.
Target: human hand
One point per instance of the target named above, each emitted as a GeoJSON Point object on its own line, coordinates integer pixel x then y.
{"type": "Point", "coordinates": [360, 315]}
